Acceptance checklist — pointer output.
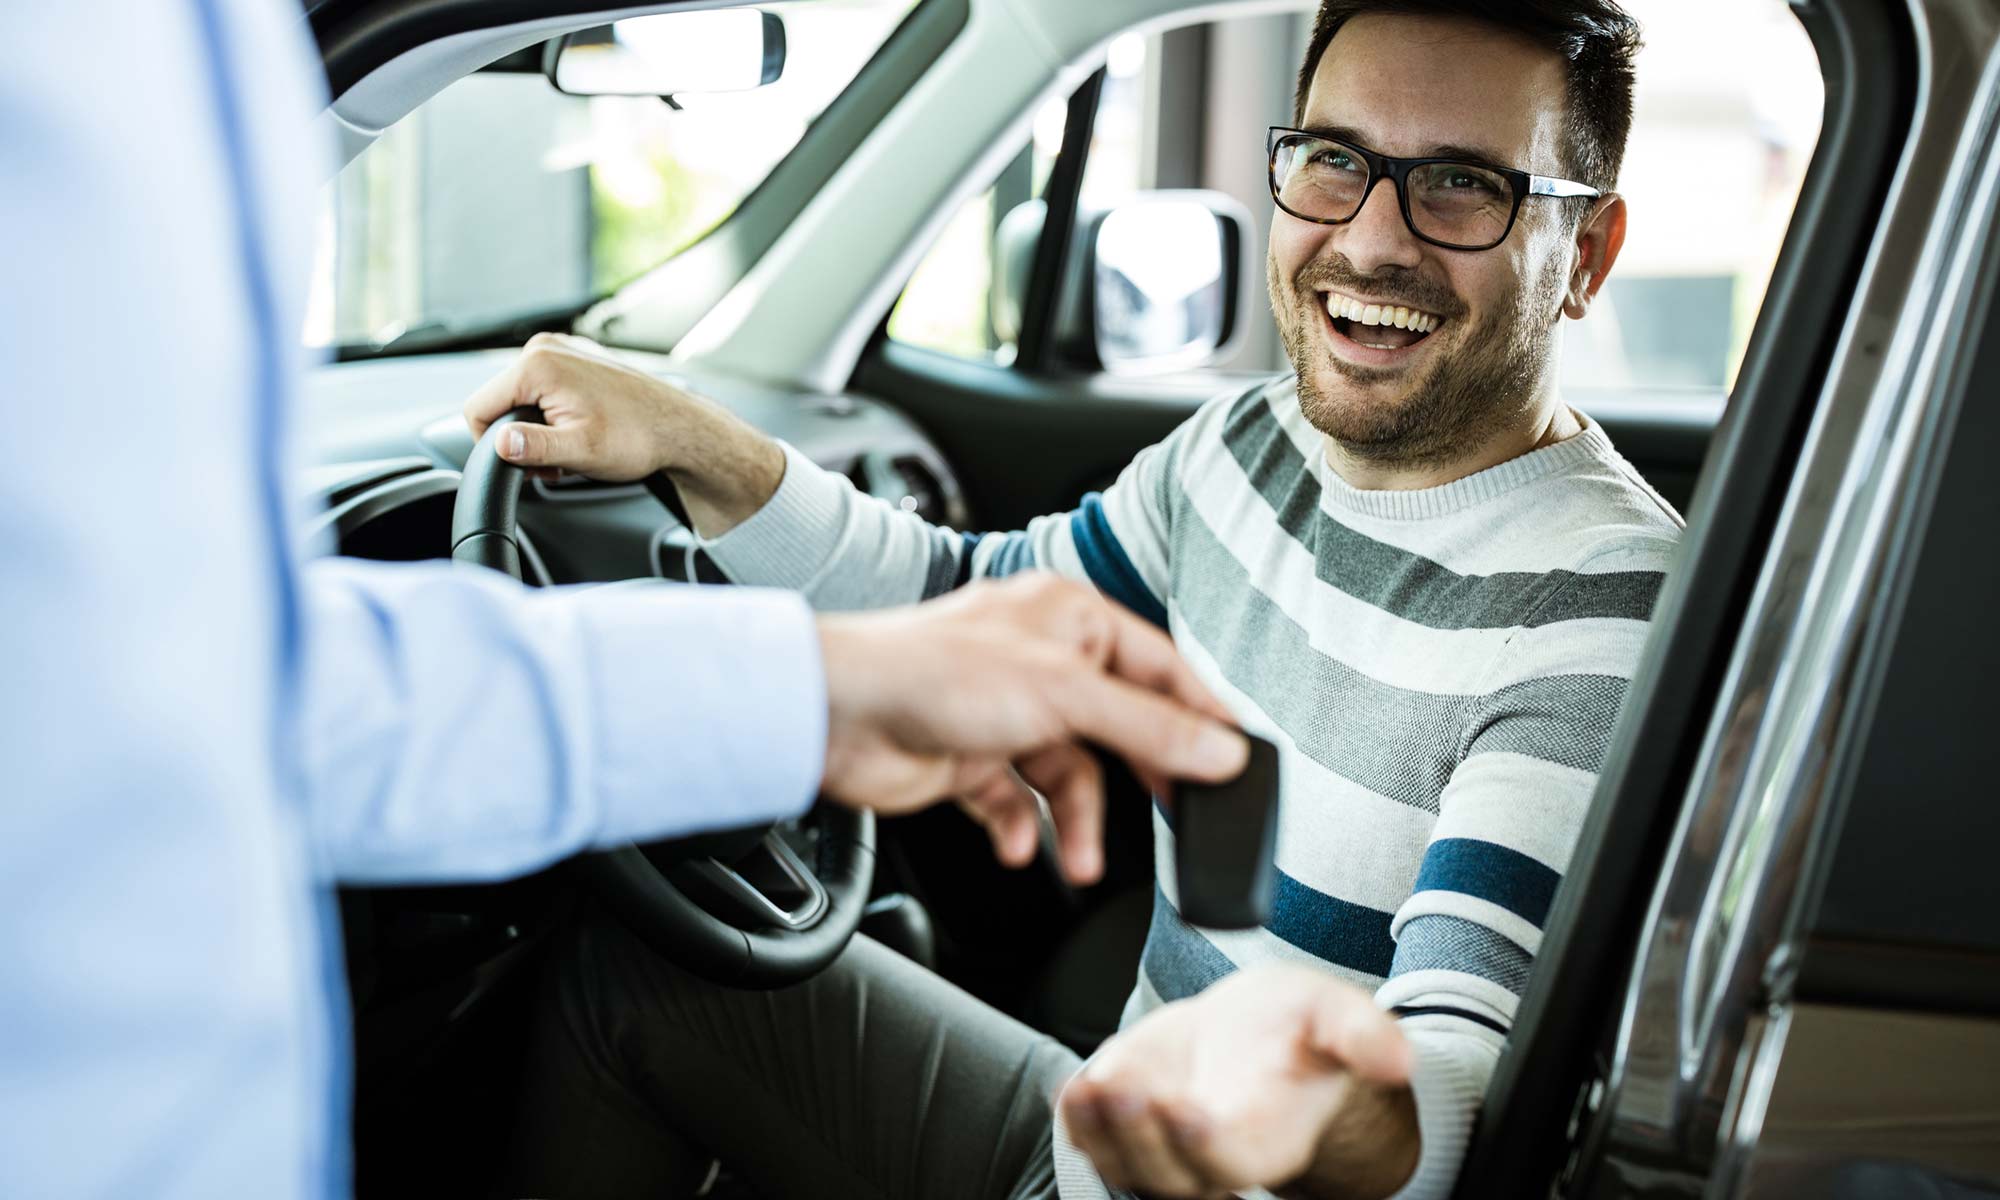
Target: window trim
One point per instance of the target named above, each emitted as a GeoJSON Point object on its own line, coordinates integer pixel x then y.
{"type": "Point", "coordinates": [1062, 195]}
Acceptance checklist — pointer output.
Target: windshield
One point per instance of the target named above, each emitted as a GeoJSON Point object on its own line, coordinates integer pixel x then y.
{"type": "Point", "coordinates": [503, 198]}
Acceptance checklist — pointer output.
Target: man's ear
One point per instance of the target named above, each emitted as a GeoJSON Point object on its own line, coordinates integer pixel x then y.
{"type": "Point", "coordinates": [1598, 241]}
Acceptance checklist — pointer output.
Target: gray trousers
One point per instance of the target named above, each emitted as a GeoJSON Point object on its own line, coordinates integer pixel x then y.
{"type": "Point", "coordinates": [875, 1080]}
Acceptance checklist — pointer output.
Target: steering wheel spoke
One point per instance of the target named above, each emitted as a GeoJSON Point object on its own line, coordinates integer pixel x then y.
{"type": "Point", "coordinates": [770, 887]}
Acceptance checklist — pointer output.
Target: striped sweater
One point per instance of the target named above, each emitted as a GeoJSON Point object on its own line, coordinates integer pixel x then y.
{"type": "Point", "coordinates": [1440, 670]}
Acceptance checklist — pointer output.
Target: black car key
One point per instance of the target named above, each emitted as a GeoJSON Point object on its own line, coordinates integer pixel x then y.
{"type": "Point", "coordinates": [1225, 837]}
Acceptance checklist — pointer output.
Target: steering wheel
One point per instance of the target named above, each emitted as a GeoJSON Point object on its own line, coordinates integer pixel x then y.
{"type": "Point", "coordinates": [739, 907]}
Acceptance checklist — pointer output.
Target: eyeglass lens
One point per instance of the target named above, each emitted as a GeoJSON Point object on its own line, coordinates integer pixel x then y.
{"type": "Point", "coordinates": [1458, 203]}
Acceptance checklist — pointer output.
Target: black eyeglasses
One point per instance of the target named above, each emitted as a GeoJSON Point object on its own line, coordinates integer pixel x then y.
{"type": "Point", "coordinates": [1447, 202]}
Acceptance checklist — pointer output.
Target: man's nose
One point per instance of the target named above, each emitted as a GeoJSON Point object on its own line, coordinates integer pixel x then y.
{"type": "Point", "coordinates": [1378, 236]}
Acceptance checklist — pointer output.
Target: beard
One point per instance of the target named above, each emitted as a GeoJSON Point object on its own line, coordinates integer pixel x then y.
{"type": "Point", "coordinates": [1464, 395]}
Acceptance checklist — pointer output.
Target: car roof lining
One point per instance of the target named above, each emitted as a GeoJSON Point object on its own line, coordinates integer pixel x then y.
{"type": "Point", "coordinates": [386, 94]}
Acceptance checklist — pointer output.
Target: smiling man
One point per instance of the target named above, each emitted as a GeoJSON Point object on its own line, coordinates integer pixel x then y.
{"type": "Point", "coordinates": [1409, 563]}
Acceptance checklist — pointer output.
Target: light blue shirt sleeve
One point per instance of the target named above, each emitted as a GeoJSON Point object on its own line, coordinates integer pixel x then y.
{"type": "Point", "coordinates": [199, 733]}
{"type": "Point", "coordinates": [459, 726]}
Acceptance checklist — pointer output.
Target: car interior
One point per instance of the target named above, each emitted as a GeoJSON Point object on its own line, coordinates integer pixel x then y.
{"type": "Point", "coordinates": [789, 310]}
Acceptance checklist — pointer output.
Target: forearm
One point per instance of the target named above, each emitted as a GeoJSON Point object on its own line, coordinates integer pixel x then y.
{"type": "Point", "coordinates": [456, 726]}
{"type": "Point", "coordinates": [725, 469]}
{"type": "Point", "coordinates": [844, 550]}
{"type": "Point", "coordinates": [1369, 1149]}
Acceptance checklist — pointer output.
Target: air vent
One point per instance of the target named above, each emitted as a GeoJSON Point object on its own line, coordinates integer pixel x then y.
{"type": "Point", "coordinates": [908, 482]}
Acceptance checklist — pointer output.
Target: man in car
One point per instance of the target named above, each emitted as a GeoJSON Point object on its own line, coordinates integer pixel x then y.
{"type": "Point", "coordinates": [202, 734]}
{"type": "Point", "coordinates": [1409, 563]}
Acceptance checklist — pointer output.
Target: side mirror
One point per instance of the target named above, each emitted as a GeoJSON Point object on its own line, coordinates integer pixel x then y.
{"type": "Point", "coordinates": [1165, 275]}
{"type": "Point", "coordinates": [1014, 242]}
{"type": "Point", "coordinates": [668, 54]}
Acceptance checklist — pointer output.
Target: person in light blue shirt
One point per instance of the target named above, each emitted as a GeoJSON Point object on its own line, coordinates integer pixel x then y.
{"type": "Point", "coordinates": [200, 735]}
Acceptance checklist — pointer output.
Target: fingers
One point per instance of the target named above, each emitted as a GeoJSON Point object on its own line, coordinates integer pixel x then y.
{"type": "Point", "coordinates": [1199, 738]}
{"type": "Point", "coordinates": [1157, 735]}
{"type": "Point", "coordinates": [1350, 1030]}
{"type": "Point", "coordinates": [501, 394]}
{"type": "Point", "coordinates": [1087, 1112]}
{"type": "Point", "coordinates": [1132, 1140]}
{"type": "Point", "coordinates": [517, 385]}
{"type": "Point", "coordinates": [1074, 785]}
{"type": "Point", "coordinates": [1113, 637]}
{"type": "Point", "coordinates": [1005, 806]}
{"type": "Point", "coordinates": [1144, 654]}
{"type": "Point", "coordinates": [529, 445]}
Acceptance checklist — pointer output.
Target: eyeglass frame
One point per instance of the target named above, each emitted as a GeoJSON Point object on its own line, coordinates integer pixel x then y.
{"type": "Point", "coordinates": [1397, 170]}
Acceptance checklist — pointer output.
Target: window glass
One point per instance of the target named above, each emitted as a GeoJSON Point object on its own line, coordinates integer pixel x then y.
{"type": "Point", "coordinates": [1725, 118]}
{"type": "Point", "coordinates": [502, 197]}
{"type": "Point", "coordinates": [948, 303]}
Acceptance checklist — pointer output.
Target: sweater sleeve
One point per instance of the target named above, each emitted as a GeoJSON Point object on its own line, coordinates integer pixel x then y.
{"type": "Point", "coordinates": [1508, 821]}
{"type": "Point", "coordinates": [820, 535]}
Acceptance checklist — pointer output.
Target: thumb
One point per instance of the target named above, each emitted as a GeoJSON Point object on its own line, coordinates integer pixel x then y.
{"type": "Point", "coordinates": [529, 445]}
{"type": "Point", "coordinates": [1348, 1029]}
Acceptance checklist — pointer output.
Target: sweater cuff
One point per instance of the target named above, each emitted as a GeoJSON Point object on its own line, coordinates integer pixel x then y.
{"type": "Point", "coordinates": [1449, 1083]}
{"type": "Point", "coordinates": [784, 543]}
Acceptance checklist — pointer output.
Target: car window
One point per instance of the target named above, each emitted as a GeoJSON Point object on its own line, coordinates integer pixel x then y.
{"type": "Point", "coordinates": [1723, 128]}
{"type": "Point", "coordinates": [502, 197]}
{"type": "Point", "coordinates": [948, 302]}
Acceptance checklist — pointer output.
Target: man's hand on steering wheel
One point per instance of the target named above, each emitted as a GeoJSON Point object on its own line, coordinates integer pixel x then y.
{"type": "Point", "coordinates": [960, 698]}
{"type": "Point", "coordinates": [954, 697]}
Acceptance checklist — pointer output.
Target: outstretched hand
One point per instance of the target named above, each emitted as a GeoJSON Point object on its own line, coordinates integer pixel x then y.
{"type": "Point", "coordinates": [1278, 1077]}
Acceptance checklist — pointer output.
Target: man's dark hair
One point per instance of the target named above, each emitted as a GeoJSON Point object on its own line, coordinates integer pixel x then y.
{"type": "Point", "coordinates": [1596, 38]}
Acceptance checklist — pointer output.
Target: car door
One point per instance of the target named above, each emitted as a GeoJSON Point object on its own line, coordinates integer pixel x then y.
{"type": "Point", "coordinates": [1800, 1016]}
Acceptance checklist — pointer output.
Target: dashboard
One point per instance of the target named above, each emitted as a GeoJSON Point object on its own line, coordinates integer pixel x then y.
{"type": "Point", "coordinates": [386, 442]}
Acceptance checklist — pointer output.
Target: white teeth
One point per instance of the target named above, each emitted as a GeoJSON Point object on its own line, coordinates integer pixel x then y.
{"type": "Point", "coordinates": [1345, 307]}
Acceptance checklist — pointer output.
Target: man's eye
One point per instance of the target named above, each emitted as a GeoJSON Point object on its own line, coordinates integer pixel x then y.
{"type": "Point", "coordinates": [1467, 180]}
{"type": "Point", "coordinates": [1333, 160]}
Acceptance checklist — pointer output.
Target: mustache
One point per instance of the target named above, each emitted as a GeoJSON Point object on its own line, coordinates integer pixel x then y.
{"type": "Point", "coordinates": [1391, 285]}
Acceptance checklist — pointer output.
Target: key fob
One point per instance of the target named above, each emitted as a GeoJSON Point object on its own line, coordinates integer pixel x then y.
{"type": "Point", "coordinates": [1225, 838]}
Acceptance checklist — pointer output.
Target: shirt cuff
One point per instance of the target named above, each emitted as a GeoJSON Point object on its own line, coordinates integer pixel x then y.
{"type": "Point", "coordinates": [712, 708]}
{"type": "Point", "coordinates": [1449, 1083]}
{"type": "Point", "coordinates": [784, 543]}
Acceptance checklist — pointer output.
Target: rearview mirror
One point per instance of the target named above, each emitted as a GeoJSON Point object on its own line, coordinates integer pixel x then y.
{"type": "Point", "coordinates": [669, 54]}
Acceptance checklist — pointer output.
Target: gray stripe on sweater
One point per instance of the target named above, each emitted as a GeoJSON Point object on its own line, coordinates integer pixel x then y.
{"type": "Point", "coordinates": [1404, 583]}
{"type": "Point", "coordinates": [1539, 718]}
{"type": "Point", "coordinates": [1177, 959]}
{"type": "Point", "coordinates": [942, 572]}
{"type": "Point", "coordinates": [1395, 742]}
{"type": "Point", "coordinates": [1440, 943]}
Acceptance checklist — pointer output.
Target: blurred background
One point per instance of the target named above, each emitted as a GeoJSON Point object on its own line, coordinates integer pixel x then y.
{"type": "Point", "coordinates": [504, 198]}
